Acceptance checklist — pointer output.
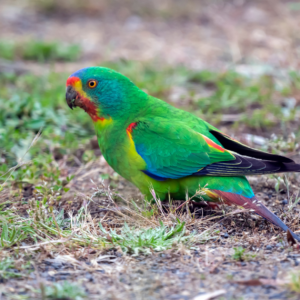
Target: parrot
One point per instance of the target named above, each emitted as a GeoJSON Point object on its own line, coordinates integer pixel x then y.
{"type": "Point", "coordinates": [161, 148]}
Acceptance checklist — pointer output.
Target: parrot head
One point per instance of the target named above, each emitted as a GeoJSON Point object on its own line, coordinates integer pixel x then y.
{"type": "Point", "coordinates": [102, 93]}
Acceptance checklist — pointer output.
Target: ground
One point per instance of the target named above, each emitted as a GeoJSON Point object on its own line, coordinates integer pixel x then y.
{"type": "Point", "coordinates": [71, 228]}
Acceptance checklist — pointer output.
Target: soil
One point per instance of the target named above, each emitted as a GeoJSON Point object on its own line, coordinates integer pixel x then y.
{"type": "Point", "coordinates": [173, 274]}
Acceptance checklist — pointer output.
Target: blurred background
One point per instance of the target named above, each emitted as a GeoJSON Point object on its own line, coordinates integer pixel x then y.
{"type": "Point", "coordinates": [198, 34]}
{"type": "Point", "coordinates": [234, 63]}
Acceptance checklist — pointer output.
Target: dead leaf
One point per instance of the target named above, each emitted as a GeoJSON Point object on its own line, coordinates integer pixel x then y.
{"type": "Point", "coordinates": [250, 282]}
{"type": "Point", "coordinates": [262, 281]}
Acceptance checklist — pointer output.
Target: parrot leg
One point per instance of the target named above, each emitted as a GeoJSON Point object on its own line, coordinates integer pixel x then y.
{"type": "Point", "coordinates": [254, 204]}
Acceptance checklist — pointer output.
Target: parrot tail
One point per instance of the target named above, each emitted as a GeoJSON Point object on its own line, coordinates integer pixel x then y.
{"type": "Point", "coordinates": [254, 204]}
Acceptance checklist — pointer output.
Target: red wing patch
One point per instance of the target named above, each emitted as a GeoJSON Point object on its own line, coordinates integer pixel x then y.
{"type": "Point", "coordinates": [131, 127]}
{"type": "Point", "coordinates": [213, 144]}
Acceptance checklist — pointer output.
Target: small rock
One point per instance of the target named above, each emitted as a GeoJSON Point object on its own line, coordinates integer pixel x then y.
{"type": "Point", "coordinates": [225, 235]}
{"type": "Point", "coordinates": [64, 273]}
{"type": "Point", "coordinates": [119, 254]}
{"type": "Point", "coordinates": [269, 247]}
{"type": "Point", "coordinates": [51, 273]}
{"type": "Point", "coordinates": [100, 271]}
{"type": "Point", "coordinates": [57, 265]}
{"type": "Point", "coordinates": [89, 277]}
{"type": "Point", "coordinates": [62, 277]}
{"type": "Point", "coordinates": [185, 293]}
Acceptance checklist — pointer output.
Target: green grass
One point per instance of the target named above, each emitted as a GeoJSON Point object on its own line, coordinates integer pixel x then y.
{"type": "Point", "coordinates": [260, 100]}
{"type": "Point", "coordinates": [38, 50]}
{"type": "Point", "coordinates": [241, 255]}
{"type": "Point", "coordinates": [6, 266]}
{"type": "Point", "coordinates": [161, 238]}
{"type": "Point", "coordinates": [294, 283]}
{"type": "Point", "coordinates": [10, 269]}
{"type": "Point", "coordinates": [238, 253]}
{"type": "Point", "coordinates": [64, 290]}
{"type": "Point", "coordinates": [45, 223]}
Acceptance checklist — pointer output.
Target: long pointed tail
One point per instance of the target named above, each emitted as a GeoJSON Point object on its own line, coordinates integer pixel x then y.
{"type": "Point", "coordinates": [259, 208]}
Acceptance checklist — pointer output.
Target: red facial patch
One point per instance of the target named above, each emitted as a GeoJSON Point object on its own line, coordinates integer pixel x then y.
{"type": "Point", "coordinates": [72, 80]}
{"type": "Point", "coordinates": [90, 108]}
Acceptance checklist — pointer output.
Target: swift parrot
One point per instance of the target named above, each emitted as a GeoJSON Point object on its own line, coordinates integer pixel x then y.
{"type": "Point", "coordinates": [155, 145]}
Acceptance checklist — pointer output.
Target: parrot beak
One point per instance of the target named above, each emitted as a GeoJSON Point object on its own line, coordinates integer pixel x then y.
{"type": "Point", "coordinates": [71, 96]}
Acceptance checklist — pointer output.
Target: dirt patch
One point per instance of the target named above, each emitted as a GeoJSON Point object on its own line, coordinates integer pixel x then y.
{"type": "Point", "coordinates": [262, 272]}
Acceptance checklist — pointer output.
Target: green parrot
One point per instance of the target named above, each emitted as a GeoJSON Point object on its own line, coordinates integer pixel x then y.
{"type": "Point", "coordinates": [162, 148]}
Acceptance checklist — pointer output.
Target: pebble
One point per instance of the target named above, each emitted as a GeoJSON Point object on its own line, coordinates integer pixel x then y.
{"type": "Point", "coordinates": [51, 262]}
{"type": "Point", "coordinates": [89, 277]}
{"type": "Point", "coordinates": [119, 254]}
{"type": "Point", "coordinates": [64, 273]}
{"type": "Point", "coordinates": [57, 266]}
{"type": "Point", "coordinates": [51, 273]}
{"type": "Point", "coordinates": [281, 295]}
{"type": "Point", "coordinates": [226, 235]}
{"type": "Point", "coordinates": [62, 277]}
{"type": "Point", "coordinates": [275, 272]}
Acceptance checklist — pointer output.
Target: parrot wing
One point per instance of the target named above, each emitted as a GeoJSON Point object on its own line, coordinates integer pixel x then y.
{"type": "Point", "coordinates": [174, 150]}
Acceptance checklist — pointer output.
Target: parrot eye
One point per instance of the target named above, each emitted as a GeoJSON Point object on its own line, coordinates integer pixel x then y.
{"type": "Point", "coordinates": [92, 83]}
